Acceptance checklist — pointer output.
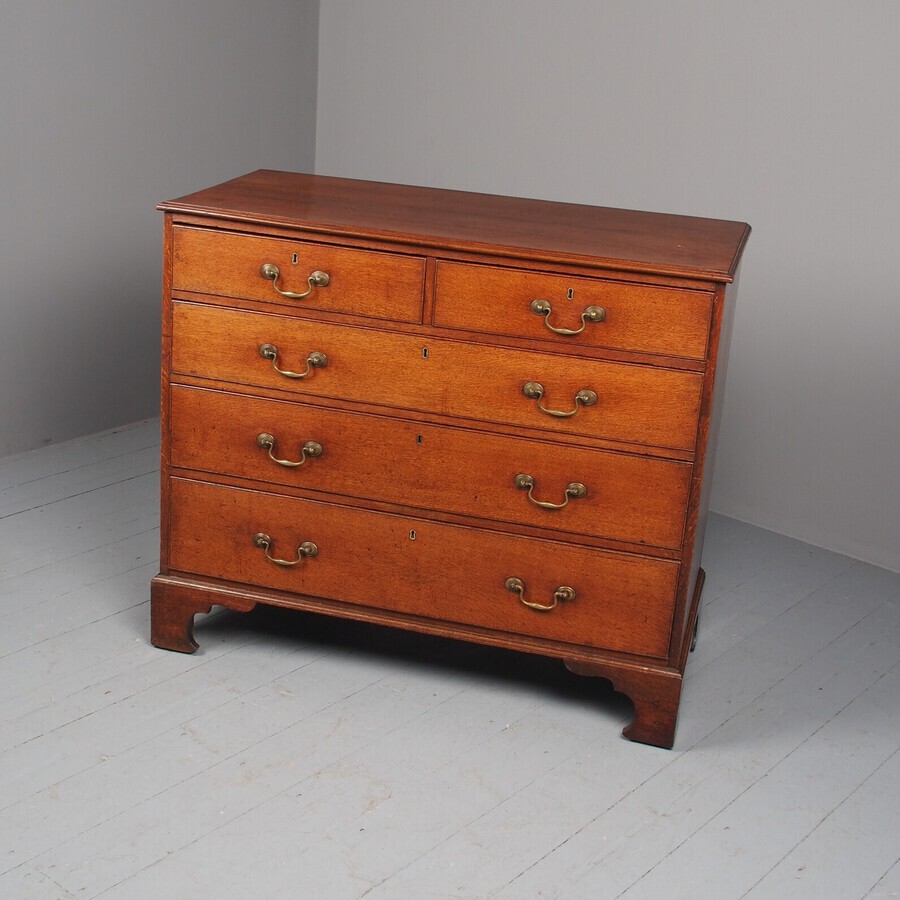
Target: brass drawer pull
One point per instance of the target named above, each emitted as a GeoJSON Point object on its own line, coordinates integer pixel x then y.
{"type": "Point", "coordinates": [561, 595]}
{"type": "Point", "coordinates": [534, 390]}
{"type": "Point", "coordinates": [315, 360]}
{"type": "Point", "coordinates": [316, 279]}
{"type": "Point", "coordinates": [574, 491]}
{"type": "Point", "coordinates": [306, 550]}
{"type": "Point", "coordinates": [591, 314]}
{"type": "Point", "coordinates": [309, 449]}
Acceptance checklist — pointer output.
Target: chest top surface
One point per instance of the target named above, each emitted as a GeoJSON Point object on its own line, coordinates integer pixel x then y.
{"type": "Point", "coordinates": [654, 243]}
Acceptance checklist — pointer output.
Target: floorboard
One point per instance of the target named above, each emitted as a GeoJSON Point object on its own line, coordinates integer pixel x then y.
{"type": "Point", "coordinates": [295, 755]}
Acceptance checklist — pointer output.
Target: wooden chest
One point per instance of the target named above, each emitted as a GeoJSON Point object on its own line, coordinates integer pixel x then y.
{"type": "Point", "coordinates": [486, 418]}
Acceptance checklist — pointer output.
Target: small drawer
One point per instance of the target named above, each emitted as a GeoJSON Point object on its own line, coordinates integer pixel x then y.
{"type": "Point", "coordinates": [616, 315]}
{"type": "Point", "coordinates": [335, 279]}
{"type": "Point", "coordinates": [456, 470]}
{"type": "Point", "coordinates": [637, 404]}
{"type": "Point", "coordinates": [444, 572]}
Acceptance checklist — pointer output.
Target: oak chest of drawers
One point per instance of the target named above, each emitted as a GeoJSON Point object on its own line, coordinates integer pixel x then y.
{"type": "Point", "coordinates": [486, 418]}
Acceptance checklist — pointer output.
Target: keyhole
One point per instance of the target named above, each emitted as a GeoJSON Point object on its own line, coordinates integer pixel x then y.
{"type": "Point", "coordinates": [419, 439]}
{"type": "Point", "coordinates": [570, 294]}
{"type": "Point", "coordinates": [424, 353]}
{"type": "Point", "coordinates": [294, 259]}
{"type": "Point", "coordinates": [412, 535]}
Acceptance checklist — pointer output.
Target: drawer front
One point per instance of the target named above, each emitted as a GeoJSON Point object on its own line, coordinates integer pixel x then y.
{"type": "Point", "coordinates": [637, 404]}
{"type": "Point", "coordinates": [362, 282]}
{"type": "Point", "coordinates": [629, 498]}
{"type": "Point", "coordinates": [637, 317]}
{"type": "Point", "coordinates": [439, 571]}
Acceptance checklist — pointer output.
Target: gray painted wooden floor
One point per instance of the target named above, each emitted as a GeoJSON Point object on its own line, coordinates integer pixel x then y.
{"type": "Point", "coordinates": [296, 756]}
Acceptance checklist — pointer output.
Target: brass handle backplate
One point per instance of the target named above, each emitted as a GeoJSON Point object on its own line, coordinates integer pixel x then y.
{"type": "Point", "coordinates": [562, 594]}
{"type": "Point", "coordinates": [534, 390]}
{"type": "Point", "coordinates": [316, 279]}
{"type": "Point", "coordinates": [315, 360]}
{"type": "Point", "coordinates": [591, 314]}
{"type": "Point", "coordinates": [306, 550]}
{"type": "Point", "coordinates": [574, 491]}
{"type": "Point", "coordinates": [309, 449]}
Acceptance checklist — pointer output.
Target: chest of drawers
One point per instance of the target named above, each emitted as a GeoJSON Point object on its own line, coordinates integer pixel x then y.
{"type": "Point", "coordinates": [486, 418]}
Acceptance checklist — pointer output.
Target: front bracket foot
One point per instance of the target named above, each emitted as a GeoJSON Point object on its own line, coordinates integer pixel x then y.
{"type": "Point", "coordinates": [655, 696]}
{"type": "Point", "coordinates": [172, 610]}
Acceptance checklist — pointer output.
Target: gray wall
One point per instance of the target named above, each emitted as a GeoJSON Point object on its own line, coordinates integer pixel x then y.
{"type": "Point", "coordinates": [784, 115]}
{"type": "Point", "coordinates": [106, 108]}
{"type": "Point", "coordinates": [780, 114]}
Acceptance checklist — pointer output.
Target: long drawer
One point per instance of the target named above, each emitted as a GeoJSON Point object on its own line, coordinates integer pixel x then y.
{"type": "Point", "coordinates": [471, 576]}
{"type": "Point", "coordinates": [629, 403]}
{"type": "Point", "coordinates": [363, 282]}
{"type": "Point", "coordinates": [601, 312]}
{"type": "Point", "coordinates": [628, 498]}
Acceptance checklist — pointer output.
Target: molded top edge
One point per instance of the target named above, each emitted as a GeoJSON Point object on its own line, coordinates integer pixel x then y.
{"type": "Point", "coordinates": [655, 243]}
